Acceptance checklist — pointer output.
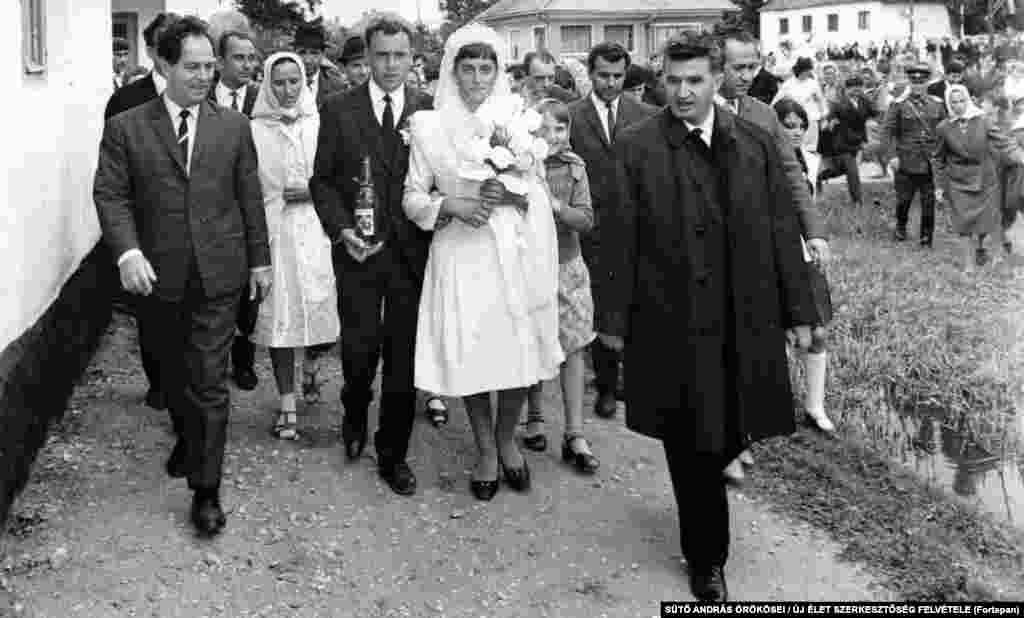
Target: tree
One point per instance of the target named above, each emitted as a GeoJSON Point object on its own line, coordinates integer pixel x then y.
{"type": "Point", "coordinates": [747, 18]}
{"type": "Point", "coordinates": [461, 12]}
{"type": "Point", "coordinates": [273, 14]}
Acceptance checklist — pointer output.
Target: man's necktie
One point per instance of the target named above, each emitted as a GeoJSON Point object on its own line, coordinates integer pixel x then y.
{"type": "Point", "coordinates": [696, 139]}
{"type": "Point", "coordinates": [387, 122]}
{"type": "Point", "coordinates": [183, 137]}
{"type": "Point", "coordinates": [234, 100]}
{"type": "Point", "coordinates": [611, 123]}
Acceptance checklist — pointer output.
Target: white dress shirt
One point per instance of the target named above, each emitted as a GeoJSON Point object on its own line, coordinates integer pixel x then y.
{"type": "Point", "coordinates": [159, 82]}
{"type": "Point", "coordinates": [706, 127]}
{"type": "Point", "coordinates": [314, 84]}
{"type": "Point", "coordinates": [602, 113]}
{"type": "Point", "coordinates": [223, 95]}
{"type": "Point", "coordinates": [377, 98]}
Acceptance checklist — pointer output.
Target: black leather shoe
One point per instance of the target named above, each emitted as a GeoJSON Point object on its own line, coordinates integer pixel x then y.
{"type": "Point", "coordinates": [483, 490]}
{"type": "Point", "coordinates": [176, 464]}
{"type": "Point", "coordinates": [354, 438]}
{"type": "Point", "coordinates": [156, 400]}
{"type": "Point", "coordinates": [584, 462]}
{"type": "Point", "coordinates": [605, 406]}
{"type": "Point", "coordinates": [517, 478]}
{"type": "Point", "coordinates": [538, 442]}
{"type": "Point", "coordinates": [926, 242]}
{"type": "Point", "coordinates": [399, 477]}
{"type": "Point", "coordinates": [245, 378]}
{"type": "Point", "coordinates": [708, 585]}
{"type": "Point", "coordinates": [900, 235]}
{"type": "Point", "coordinates": [207, 515]}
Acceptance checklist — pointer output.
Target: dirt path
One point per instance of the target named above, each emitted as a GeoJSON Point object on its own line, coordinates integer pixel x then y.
{"type": "Point", "coordinates": [101, 531]}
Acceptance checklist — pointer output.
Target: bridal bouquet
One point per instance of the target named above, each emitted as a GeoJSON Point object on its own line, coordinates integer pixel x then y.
{"type": "Point", "coordinates": [510, 150]}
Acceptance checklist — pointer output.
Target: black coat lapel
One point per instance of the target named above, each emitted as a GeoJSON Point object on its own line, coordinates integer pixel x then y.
{"type": "Point", "coordinates": [590, 114]}
{"type": "Point", "coordinates": [161, 122]}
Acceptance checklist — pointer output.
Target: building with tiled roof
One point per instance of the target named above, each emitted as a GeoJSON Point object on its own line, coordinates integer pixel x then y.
{"type": "Point", "coordinates": [569, 28]}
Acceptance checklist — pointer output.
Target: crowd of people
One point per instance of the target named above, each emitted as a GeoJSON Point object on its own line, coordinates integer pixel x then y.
{"type": "Point", "coordinates": [662, 209]}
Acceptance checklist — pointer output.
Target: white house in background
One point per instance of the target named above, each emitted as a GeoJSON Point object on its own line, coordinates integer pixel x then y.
{"type": "Point", "coordinates": [130, 18]}
{"type": "Point", "coordinates": [848, 21]}
{"type": "Point", "coordinates": [569, 28]}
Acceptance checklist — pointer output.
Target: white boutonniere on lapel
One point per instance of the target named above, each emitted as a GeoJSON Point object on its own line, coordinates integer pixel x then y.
{"type": "Point", "coordinates": [404, 133]}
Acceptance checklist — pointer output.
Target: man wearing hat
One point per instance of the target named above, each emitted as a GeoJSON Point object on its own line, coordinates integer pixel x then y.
{"type": "Point", "coordinates": [353, 60]}
{"type": "Point", "coordinates": [954, 75]}
{"type": "Point", "coordinates": [909, 138]}
{"type": "Point", "coordinates": [309, 43]}
{"type": "Point", "coordinates": [121, 51]}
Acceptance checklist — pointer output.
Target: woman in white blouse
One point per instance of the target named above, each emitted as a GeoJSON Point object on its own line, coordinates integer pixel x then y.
{"type": "Point", "coordinates": [488, 317]}
{"type": "Point", "coordinates": [804, 88]}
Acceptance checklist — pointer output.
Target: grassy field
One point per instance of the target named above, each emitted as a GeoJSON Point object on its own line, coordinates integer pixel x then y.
{"type": "Point", "coordinates": [911, 333]}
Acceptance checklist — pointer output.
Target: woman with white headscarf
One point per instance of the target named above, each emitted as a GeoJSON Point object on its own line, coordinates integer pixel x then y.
{"type": "Point", "coordinates": [301, 310]}
{"type": "Point", "coordinates": [488, 316]}
{"type": "Point", "coordinates": [969, 150]}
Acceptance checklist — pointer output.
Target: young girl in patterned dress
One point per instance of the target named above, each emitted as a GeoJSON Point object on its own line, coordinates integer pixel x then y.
{"type": "Point", "coordinates": [570, 192]}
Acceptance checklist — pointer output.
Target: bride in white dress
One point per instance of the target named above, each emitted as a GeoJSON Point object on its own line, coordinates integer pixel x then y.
{"type": "Point", "coordinates": [488, 316]}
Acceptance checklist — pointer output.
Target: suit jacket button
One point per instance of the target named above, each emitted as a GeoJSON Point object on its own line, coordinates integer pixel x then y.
{"type": "Point", "coordinates": [700, 229]}
{"type": "Point", "coordinates": [702, 279]}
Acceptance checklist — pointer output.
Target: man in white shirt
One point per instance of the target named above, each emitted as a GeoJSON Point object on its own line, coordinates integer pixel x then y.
{"type": "Point", "coordinates": [703, 259]}
{"type": "Point", "coordinates": [237, 62]}
{"type": "Point", "coordinates": [121, 50]}
{"type": "Point", "coordinates": [179, 200]}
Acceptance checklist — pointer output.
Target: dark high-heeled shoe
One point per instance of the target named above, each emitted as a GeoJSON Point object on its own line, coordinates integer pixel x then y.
{"type": "Point", "coordinates": [517, 478]}
{"type": "Point", "coordinates": [483, 490]}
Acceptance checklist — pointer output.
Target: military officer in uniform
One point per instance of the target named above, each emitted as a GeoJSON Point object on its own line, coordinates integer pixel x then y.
{"type": "Point", "coordinates": [909, 138]}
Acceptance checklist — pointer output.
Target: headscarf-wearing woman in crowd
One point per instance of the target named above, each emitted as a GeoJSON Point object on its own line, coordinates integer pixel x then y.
{"type": "Point", "coordinates": [796, 123]}
{"type": "Point", "coordinates": [970, 147]}
{"type": "Point", "coordinates": [805, 90]}
{"type": "Point", "coordinates": [302, 308]}
{"type": "Point", "coordinates": [488, 316]}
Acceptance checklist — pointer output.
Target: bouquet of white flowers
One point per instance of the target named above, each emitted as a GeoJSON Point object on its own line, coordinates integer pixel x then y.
{"type": "Point", "coordinates": [510, 150]}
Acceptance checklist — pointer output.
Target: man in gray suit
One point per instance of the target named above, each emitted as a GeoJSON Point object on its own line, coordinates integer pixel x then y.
{"type": "Point", "coordinates": [180, 205]}
{"type": "Point", "coordinates": [742, 61]}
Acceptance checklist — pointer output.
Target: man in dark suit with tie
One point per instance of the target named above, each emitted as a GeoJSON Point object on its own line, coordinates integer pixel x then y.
{"type": "Point", "coordinates": [596, 121]}
{"type": "Point", "coordinates": [180, 204]}
{"type": "Point", "coordinates": [309, 42]}
{"type": "Point", "coordinates": [702, 255]}
{"type": "Point", "coordinates": [128, 96]}
{"type": "Point", "coordinates": [233, 88]}
{"type": "Point", "coordinates": [367, 122]}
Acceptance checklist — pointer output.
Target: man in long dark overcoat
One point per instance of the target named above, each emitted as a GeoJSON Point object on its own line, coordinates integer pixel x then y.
{"type": "Point", "coordinates": [703, 262]}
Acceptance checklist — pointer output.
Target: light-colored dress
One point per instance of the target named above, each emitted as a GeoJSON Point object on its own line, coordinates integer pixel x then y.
{"type": "Point", "coordinates": [806, 92]}
{"type": "Point", "coordinates": [301, 309]}
{"type": "Point", "coordinates": [488, 315]}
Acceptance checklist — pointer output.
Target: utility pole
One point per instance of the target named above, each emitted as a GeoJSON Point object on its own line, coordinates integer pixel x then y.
{"type": "Point", "coordinates": [419, 12]}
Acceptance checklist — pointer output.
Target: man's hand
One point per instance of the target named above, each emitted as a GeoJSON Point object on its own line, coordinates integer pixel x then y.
{"type": "Point", "coordinates": [469, 211]}
{"type": "Point", "coordinates": [137, 275]}
{"type": "Point", "coordinates": [259, 283]}
{"type": "Point", "coordinates": [357, 247]}
{"type": "Point", "coordinates": [819, 250]}
{"type": "Point", "coordinates": [799, 337]}
{"type": "Point", "coordinates": [296, 194]}
{"type": "Point", "coordinates": [612, 342]}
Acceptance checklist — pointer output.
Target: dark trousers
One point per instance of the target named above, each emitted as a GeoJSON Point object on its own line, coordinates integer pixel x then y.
{"type": "Point", "coordinates": [702, 503]}
{"type": "Point", "coordinates": [193, 338]}
{"type": "Point", "coordinates": [378, 309]}
{"type": "Point", "coordinates": [906, 186]}
{"type": "Point", "coordinates": [605, 360]}
{"type": "Point", "coordinates": [242, 353]}
{"type": "Point", "coordinates": [838, 165]}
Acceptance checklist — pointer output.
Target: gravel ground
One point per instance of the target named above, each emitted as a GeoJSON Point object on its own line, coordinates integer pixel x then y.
{"type": "Point", "coordinates": [102, 531]}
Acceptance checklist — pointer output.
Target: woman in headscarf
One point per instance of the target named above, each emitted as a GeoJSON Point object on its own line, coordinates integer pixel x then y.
{"type": "Point", "coordinates": [301, 310]}
{"type": "Point", "coordinates": [969, 150]}
{"type": "Point", "coordinates": [488, 316]}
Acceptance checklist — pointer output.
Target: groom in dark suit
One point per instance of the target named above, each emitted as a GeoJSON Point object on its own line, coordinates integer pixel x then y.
{"type": "Point", "coordinates": [597, 120]}
{"type": "Point", "coordinates": [370, 121]}
{"type": "Point", "coordinates": [180, 205]}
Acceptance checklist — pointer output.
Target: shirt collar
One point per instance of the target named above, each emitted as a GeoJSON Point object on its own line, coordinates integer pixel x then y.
{"type": "Point", "coordinates": [706, 127]}
{"type": "Point", "coordinates": [175, 110]}
{"type": "Point", "coordinates": [223, 89]}
{"type": "Point", "coordinates": [314, 79]}
{"type": "Point", "coordinates": [159, 82]}
{"type": "Point", "coordinates": [732, 105]}
{"type": "Point", "coordinates": [600, 105]}
{"type": "Point", "coordinates": [377, 94]}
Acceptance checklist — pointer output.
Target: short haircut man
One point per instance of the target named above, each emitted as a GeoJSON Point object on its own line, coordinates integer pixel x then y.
{"type": "Point", "coordinates": [543, 56]}
{"type": "Point", "coordinates": [387, 24]}
{"type": "Point", "coordinates": [225, 39]}
{"type": "Point", "coordinates": [610, 52]}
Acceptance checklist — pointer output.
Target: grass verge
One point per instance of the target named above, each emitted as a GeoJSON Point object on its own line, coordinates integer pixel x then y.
{"type": "Point", "coordinates": [911, 333]}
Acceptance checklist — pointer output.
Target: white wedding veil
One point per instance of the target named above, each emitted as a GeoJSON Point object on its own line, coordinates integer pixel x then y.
{"type": "Point", "coordinates": [447, 97]}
